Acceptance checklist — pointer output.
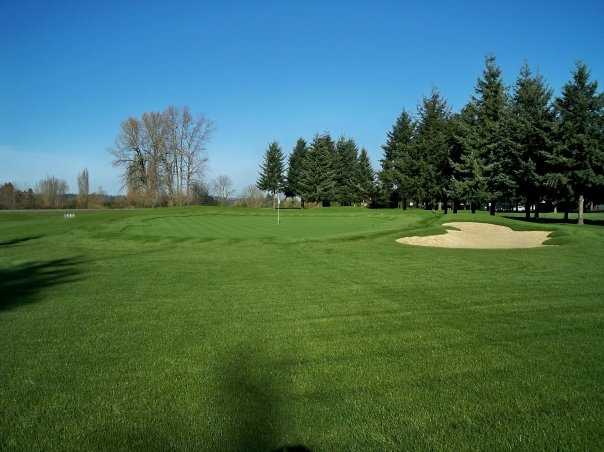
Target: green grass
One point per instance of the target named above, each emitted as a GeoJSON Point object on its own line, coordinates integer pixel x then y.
{"type": "Point", "coordinates": [215, 329]}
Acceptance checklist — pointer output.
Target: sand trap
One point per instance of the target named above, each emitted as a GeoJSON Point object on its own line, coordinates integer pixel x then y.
{"type": "Point", "coordinates": [480, 235]}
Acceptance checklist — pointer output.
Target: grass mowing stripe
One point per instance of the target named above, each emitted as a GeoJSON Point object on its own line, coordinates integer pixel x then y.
{"type": "Point", "coordinates": [214, 329]}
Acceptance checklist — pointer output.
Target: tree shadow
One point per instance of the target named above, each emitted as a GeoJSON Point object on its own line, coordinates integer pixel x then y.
{"type": "Point", "coordinates": [248, 414]}
{"type": "Point", "coordinates": [296, 448]}
{"type": "Point", "coordinates": [21, 284]}
{"type": "Point", "coordinates": [545, 220]}
{"type": "Point", "coordinates": [17, 241]}
{"type": "Point", "coordinates": [253, 401]}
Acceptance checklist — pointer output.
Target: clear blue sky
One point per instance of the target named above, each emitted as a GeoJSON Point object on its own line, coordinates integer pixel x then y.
{"type": "Point", "coordinates": [71, 71]}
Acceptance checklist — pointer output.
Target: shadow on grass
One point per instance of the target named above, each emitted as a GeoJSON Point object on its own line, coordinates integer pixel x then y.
{"type": "Point", "coordinates": [246, 413]}
{"type": "Point", "coordinates": [21, 284]}
{"type": "Point", "coordinates": [554, 220]}
{"type": "Point", "coordinates": [253, 401]}
{"type": "Point", "coordinates": [13, 242]}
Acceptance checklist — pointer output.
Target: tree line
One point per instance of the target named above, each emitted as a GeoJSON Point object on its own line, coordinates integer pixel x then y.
{"type": "Point", "coordinates": [52, 193]}
{"type": "Point", "coordinates": [504, 148]}
{"type": "Point", "coordinates": [320, 172]}
{"type": "Point", "coordinates": [161, 156]}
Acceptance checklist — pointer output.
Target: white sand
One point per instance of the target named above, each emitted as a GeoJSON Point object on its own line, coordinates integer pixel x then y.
{"type": "Point", "coordinates": [480, 235]}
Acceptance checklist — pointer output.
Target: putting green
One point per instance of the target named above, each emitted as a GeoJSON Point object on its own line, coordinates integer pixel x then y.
{"type": "Point", "coordinates": [216, 224]}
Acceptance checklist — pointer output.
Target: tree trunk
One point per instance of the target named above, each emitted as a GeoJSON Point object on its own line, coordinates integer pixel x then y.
{"type": "Point", "coordinates": [581, 202]}
{"type": "Point", "coordinates": [446, 206]}
{"type": "Point", "coordinates": [537, 209]}
{"type": "Point", "coordinates": [454, 206]}
{"type": "Point", "coordinates": [404, 203]}
{"type": "Point", "coordinates": [527, 209]}
{"type": "Point", "coordinates": [566, 214]}
{"type": "Point", "coordinates": [472, 207]}
{"type": "Point", "coordinates": [492, 208]}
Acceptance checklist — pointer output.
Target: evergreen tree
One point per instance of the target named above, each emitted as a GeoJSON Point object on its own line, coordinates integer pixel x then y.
{"type": "Point", "coordinates": [533, 123]}
{"type": "Point", "coordinates": [345, 166]}
{"type": "Point", "coordinates": [365, 178]}
{"type": "Point", "coordinates": [494, 132]}
{"type": "Point", "coordinates": [271, 170]}
{"type": "Point", "coordinates": [579, 160]}
{"type": "Point", "coordinates": [294, 169]}
{"type": "Point", "coordinates": [397, 164]}
{"type": "Point", "coordinates": [458, 131]}
{"type": "Point", "coordinates": [432, 148]}
{"type": "Point", "coordinates": [468, 180]}
{"type": "Point", "coordinates": [317, 181]}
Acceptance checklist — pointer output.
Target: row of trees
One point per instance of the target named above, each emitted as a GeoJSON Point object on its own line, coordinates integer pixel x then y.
{"type": "Point", "coordinates": [502, 148]}
{"type": "Point", "coordinates": [51, 193]}
{"type": "Point", "coordinates": [161, 156]}
{"type": "Point", "coordinates": [321, 172]}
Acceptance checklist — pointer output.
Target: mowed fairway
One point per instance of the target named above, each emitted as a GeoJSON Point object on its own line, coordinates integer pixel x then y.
{"type": "Point", "coordinates": [215, 329]}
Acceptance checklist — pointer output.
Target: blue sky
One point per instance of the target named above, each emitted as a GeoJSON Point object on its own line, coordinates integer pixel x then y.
{"type": "Point", "coordinates": [70, 72]}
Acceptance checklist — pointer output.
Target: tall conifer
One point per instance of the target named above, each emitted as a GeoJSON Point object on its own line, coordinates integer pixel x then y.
{"type": "Point", "coordinates": [494, 131]}
{"type": "Point", "coordinates": [579, 160]}
{"type": "Point", "coordinates": [533, 124]}
{"type": "Point", "coordinates": [317, 181]}
{"type": "Point", "coordinates": [271, 176]}
{"type": "Point", "coordinates": [294, 169]}
{"type": "Point", "coordinates": [345, 167]}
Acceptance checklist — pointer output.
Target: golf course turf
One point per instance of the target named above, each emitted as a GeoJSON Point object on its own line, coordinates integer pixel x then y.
{"type": "Point", "coordinates": [217, 329]}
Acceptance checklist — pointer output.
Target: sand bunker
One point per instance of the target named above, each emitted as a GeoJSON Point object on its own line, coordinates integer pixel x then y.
{"type": "Point", "coordinates": [480, 235]}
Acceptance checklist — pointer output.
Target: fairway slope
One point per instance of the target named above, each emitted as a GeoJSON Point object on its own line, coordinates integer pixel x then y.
{"type": "Point", "coordinates": [480, 236]}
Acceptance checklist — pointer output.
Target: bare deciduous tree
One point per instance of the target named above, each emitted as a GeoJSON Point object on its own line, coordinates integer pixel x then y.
{"type": "Point", "coordinates": [52, 192]}
{"type": "Point", "coordinates": [200, 192]}
{"type": "Point", "coordinates": [253, 196]}
{"type": "Point", "coordinates": [7, 196]}
{"type": "Point", "coordinates": [162, 154]}
{"type": "Point", "coordinates": [222, 188]}
{"type": "Point", "coordinates": [83, 189]}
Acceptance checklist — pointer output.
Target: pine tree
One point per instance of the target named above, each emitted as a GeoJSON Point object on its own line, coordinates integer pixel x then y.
{"type": "Point", "coordinates": [432, 147]}
{"type": "Point", "coordinates": [271, 170]}
{"type": "Point", "coordinates": [365, 178]}
{"type": "Point", "coordinates": [533, 124]}
{"type": "Point", "coordinates": [345, 171]}
{"type": "Point", "coordinates": [468, 180]}
{"type": "Point", "coordinates": [396, 163]}
{"type": "Point", "coordinates": [294, 169]}
{"type": "Point", "coordinates": [494, 131]}
{"type": "Point", "coordinates": [317, 181]}
{"type": "Point", "coordinates": [579, 160]}
{"type": "Point", "coordinates": [457, 145]}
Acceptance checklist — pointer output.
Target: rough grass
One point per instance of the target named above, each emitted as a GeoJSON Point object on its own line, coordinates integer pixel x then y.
{"type": "Point", "coordinates": [215, 329]}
